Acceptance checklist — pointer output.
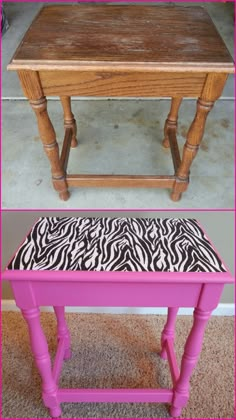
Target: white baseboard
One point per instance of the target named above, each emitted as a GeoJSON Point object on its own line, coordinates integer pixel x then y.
{"type": "Point", "coordinates": [223, 309]}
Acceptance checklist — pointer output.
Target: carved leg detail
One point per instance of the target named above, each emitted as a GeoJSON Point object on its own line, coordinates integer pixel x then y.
{"type": "Point", "coordinates": [62, 329]}
{"type": "Point", "coordinates": [40, 350]}
{"type": "Point", "coordinates": [51, 148]}
{"type": "Point", "coordinates": [172, 119]}
{"type": "Point", "coordinates": [69, 121]}
{"type": "Point", "coordinates": [169, 330]}
{"type": "Point", "coordinates": [191, 353]}
{"type": "Point", "coordinates": [191, 147]}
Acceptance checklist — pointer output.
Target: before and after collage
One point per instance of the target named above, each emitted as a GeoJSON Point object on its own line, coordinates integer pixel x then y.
{"type": "Point", "coordinates": [118, 209]}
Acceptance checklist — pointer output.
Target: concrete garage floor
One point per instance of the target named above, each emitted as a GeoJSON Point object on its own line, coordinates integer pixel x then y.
{"type": "Point", "coordinates": [116, 136]}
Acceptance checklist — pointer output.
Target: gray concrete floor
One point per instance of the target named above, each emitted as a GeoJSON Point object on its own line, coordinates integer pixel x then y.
{"type": "Point", "coordinates": [116, 136]}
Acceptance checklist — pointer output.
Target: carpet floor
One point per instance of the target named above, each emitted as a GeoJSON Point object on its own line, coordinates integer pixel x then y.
{"type": "Point", "coordinates": [118, 351]}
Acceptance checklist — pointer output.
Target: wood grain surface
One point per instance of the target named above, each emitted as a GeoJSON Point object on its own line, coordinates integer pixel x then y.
{"type": "Point", "coordinates": [117, 83]}
{"type": "Point", "coordinates": [174, 36]}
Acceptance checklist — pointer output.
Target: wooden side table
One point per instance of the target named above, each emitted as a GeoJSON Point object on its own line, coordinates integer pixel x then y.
{"type": "Point", "coordinates": [124, 51]}
{"type": "Point", "coordinates": [116, 262]}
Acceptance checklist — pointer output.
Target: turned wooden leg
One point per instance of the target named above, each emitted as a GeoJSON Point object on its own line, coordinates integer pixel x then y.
{"type": "Point", "coordinates": [50, 145]}
{"type": "Point", "coordinates": [40, 351]}
{"type": "Point", "coordinates": [69, 121]}
{"type": "Point", "coordinates": [62, 330]}
{"type": "Point", "coordinates": [189, 360]}
{"type": "Point", "coordinates": [172, 119]}
{"type": "Point", "coordinates": [191, 147]}
{"type": "Point", "coordinates": [169, 330]}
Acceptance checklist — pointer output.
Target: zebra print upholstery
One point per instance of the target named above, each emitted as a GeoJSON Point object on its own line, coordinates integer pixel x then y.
{"type": "Point", "coordinates": [117, 244]}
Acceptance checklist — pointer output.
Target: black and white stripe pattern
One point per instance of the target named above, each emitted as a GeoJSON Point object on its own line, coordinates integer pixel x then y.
{"type": "Point", "coordinates": [117, 244]}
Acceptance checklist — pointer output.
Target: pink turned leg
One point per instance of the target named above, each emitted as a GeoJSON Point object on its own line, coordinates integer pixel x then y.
{"type": "Point", "coordinates": [189, 360]}
{"type": "Point", "coordinates": [40, 350]}
{"type": "Point", "coordinates": [169, 330]}
{"type": "Point", "coordinates": [62, 329]}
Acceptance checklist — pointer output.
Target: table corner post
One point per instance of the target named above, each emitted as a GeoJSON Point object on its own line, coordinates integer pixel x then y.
{"type": "Point", "coordinates": [189, 360]}
{"type": "Point", "coordinates": [69, 120]}
{"type": "Point", "coordinates": [212, 89]}
{"type": "Point", "coordinates": [172, 119]}
{"type": "Point", "coordinates": [39, 348]}
{"type": "Point", "coordinates": [30, 82]}
{"type": "Point", "coordinates": [207, 302]}
{"type": "Point", "coordinates": [62, 330]}
{"type": "Point", "coordinates": [169, 330]}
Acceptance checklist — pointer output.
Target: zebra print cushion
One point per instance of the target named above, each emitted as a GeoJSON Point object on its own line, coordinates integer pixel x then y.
{"type": "Point", "coordinates": [116, 244]}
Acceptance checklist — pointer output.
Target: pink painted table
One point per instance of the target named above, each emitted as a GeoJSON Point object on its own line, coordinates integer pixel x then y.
{"type": "Point", "coordinates": [116, 262]}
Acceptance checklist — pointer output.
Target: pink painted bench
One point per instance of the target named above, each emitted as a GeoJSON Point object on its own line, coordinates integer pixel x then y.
{"type": "Point", "coordinates": [116, 262]}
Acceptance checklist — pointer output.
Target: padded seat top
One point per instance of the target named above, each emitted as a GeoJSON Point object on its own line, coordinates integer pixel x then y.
{"type": "Point", "coordinates": [117, 244]}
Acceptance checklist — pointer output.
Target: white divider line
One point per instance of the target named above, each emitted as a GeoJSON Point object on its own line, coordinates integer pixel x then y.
{"type": "Point", "coordinates": [223, 309]}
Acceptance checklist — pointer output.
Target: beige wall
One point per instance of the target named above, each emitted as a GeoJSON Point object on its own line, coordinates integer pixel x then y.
{"type": "Point", "coordinates": [218, 225]}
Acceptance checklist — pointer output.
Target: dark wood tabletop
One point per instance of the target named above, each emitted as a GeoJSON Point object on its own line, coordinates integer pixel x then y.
{"type": "Point", "coordinates": [169, 37]}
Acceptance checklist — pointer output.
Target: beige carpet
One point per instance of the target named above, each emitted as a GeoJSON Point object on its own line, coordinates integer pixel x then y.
{"type": "Point", "coordinates": [118, 351]}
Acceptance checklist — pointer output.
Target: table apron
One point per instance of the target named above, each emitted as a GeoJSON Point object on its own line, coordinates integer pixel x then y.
{"type": "Point", "coordinates": [52, 293]}
{"type": "Point", "coordinates": [122, 83]}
